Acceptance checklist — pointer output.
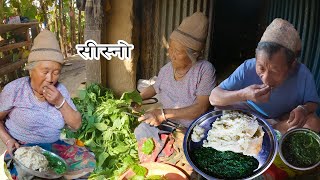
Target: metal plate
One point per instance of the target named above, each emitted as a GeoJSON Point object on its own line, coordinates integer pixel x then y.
{"type": "Point", "coordinates": [265, 156]}
{"type": "Point", "coordinates": [50, 174]}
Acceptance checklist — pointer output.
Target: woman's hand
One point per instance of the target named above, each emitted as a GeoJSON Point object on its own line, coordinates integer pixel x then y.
{"type": "Point", "coordinates": [297, 118]}
{"type": "Point", "coordinates": [257, 93]}
{"type": "Point", "coordinates": [52, 95]}
{"type": "Point", "coordinates": [11, 145]}
{"type": "Point", "coordinates": [153, 117]}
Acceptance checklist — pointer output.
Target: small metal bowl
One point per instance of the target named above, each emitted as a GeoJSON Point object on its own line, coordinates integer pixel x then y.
{"type": "Point", "coordinates": [50, 174]}
{"type": "Point", "coordinates": [288, 134]}
{"type": "Point", "coordinates": [265, 156]}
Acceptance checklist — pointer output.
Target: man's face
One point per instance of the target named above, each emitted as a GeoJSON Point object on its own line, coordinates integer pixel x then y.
{"type": "Point", "coordinates": [274, 71]}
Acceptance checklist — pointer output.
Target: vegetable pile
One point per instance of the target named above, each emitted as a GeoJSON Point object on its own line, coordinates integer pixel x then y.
{"type": "Point", "coordinates": [108, 131]}
{"type": "Point", "coordinates": [224, 164]}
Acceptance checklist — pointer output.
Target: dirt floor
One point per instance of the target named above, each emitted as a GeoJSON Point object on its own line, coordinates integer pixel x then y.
{"type": "Point", "coordinates": [73, 76]}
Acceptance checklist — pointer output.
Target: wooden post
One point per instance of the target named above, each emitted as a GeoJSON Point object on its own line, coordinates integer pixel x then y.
{"type": "Point", "coordinates": [93, 31]}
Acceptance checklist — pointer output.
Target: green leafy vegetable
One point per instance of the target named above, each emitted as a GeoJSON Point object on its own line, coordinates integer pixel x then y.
{"type": "Point", "coordinates": [107, 130]}
{"type": "Point", "coordinates": [139, 170]}
{"type": "Point", "coordinates": [148, 146]}
{"type": "Point", "coordinates": [137, 178]}
{"type": "Point", "coordinates": [301, 149]}
{"type": "Point", "coordinates": [133, 96]}
{"type": "Point", "coordinates": [155, 177]}
{"type": "Point", "coordinates": [224, 164]}
{"type": "Point", "coordinates": [55, 163]}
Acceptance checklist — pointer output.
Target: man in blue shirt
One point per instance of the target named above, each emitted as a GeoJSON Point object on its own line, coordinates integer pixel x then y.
{"type": "Point", "coordinates": [274, 83]}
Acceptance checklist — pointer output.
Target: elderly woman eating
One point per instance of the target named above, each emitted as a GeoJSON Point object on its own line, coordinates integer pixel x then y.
{"type": "Point", "coordinates": [185, 83]}
{"type": "Point", "coordinates": [274, 83]}
{"type": "Point", "coordinates": [35, 109]}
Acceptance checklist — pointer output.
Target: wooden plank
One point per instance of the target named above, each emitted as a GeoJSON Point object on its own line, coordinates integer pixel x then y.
{"type": "Point", "coordinates": [15, 45]}
{"type": "Point", "coordinates": [12, 67]}
{"type": "Point", "coordinates": [11, 27]}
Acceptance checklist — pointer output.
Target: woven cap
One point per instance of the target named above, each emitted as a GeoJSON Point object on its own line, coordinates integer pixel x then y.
{"type": "Point", "coordinates": [282, 32]}
{"type": "Point", "coordinates": [46, 48]}
{"type": "Point", "coordinates": [192, 31]}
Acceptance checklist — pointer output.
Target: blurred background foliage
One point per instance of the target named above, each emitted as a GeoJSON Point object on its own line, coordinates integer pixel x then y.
{"type": "Point", "coordinates": [59, 16]}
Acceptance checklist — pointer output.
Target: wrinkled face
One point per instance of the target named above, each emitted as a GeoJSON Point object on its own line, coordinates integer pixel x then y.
{"type": "Point", "coordinates": [178, 54]}
{"type": "Point", "coordinates": [274, 71]}
{"type": "Point", "coordinates": [44, 73]}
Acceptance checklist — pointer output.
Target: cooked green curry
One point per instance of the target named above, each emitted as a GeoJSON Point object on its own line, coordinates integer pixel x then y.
{"type": "Point", "coordinates": [301, 149]}
{"type": "Point", "coordinates": [224, 165]}
{"type": "Point", "coordinates": [55, 164]}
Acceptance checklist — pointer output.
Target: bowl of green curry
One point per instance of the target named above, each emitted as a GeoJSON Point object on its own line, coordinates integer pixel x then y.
{"type": "Point", "coordinates": [300, 149]}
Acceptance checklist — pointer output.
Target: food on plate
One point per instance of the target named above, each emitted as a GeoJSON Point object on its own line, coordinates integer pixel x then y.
{"type": "Point", "coordinates": [237, 132]}
{"type": "Point", "coordinates": [198, 134]}
{"type": "Point", "coordinates": [301, 149]}
{"type": "Point", "coordinates": [32, 158]}
{"type": "Point", "coordinates": [224, 164]}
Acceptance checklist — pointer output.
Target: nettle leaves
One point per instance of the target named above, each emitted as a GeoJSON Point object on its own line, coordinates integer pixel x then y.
{"type": "Point", "coordinates": [108, 131]}
{"type": "Point", "coordinates": [148, 146]}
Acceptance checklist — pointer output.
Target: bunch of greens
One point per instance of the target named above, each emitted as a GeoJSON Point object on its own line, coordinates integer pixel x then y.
{"type": "Point", "coordinates": [107, 130]}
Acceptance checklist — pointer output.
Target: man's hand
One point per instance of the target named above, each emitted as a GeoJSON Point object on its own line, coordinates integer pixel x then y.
{"type": "Point", "coordinates": [297, 118]}
{"type": "Point", "coordinates": [153, 117]}
{"type": "Point", "coordinates": [257, 93]}
{"type": "Point", "coordinates": [52, 95]}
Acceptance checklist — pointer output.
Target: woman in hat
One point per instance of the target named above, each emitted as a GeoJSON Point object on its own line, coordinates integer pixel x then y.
{"type": "Point", "coordinates": [35, 109]}
{"type": "Point", "coordinates": [274, 83]}
{"type": "Point", "coordinates": [184, 84]}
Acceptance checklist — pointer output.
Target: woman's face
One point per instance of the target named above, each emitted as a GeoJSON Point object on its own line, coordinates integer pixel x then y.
{"type": "Point", "coordinates": [44, 73]}
{"type": "Point", "coordinates": [178, 54]}
{"type": "Point", "coordinates": [274, 71]}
